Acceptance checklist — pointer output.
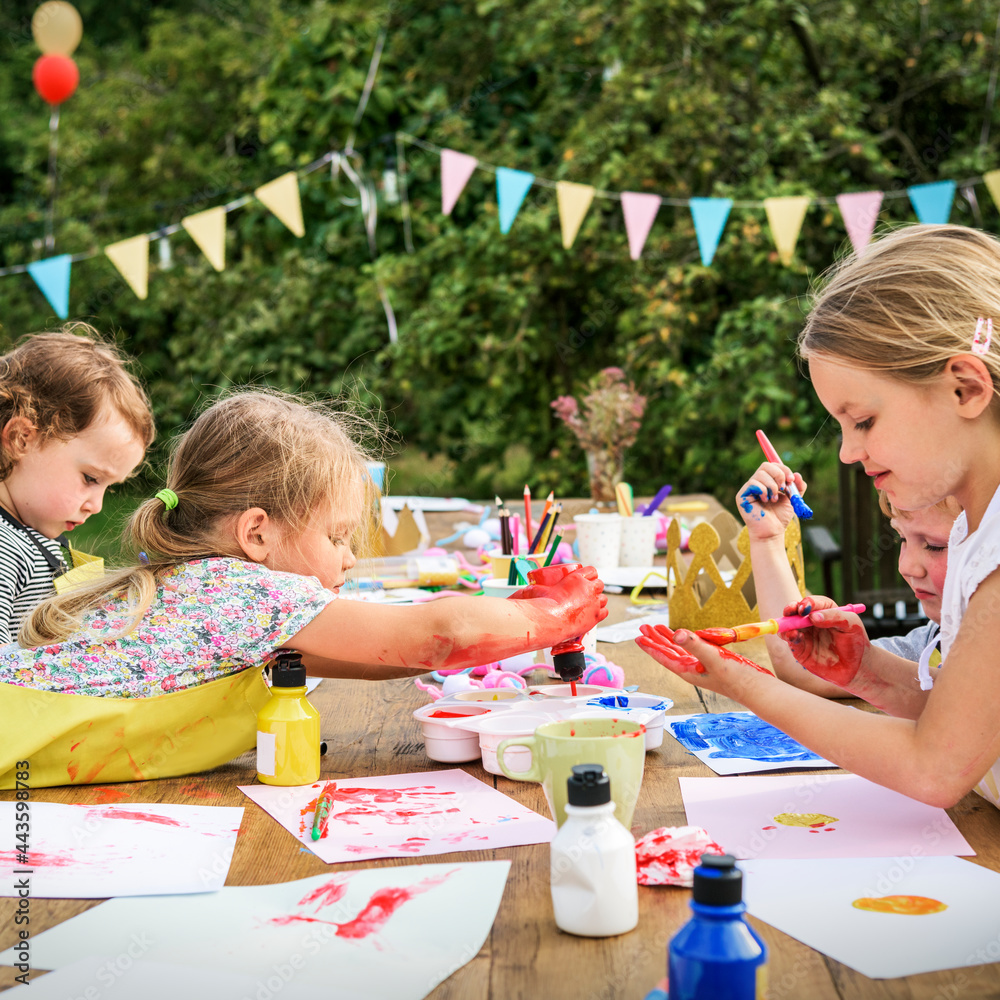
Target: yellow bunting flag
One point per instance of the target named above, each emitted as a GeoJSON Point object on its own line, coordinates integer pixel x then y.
{"type": "Point", "coordinates": [784, 216]}
{"type": "Point", "coordinates": [992, 179]}
{"type": "Point", "coordinates": [573, 201]}
{"type": "Point", "coordinates": [208, 230]}
{"type": "Point", "coordinates": [131, 257]}
{"type": "Point", "coordinates": [281, 196]}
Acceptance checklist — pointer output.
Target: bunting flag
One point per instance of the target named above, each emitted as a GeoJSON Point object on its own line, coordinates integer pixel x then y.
{"type": "Point", "coordinates": [992, 179]}
{"type": "Point", "coordinates": [573, 201]}
{"type": "Point", "coordinates": [131, 257]}
{"type": "Point", "coordinates": [932, 202]}
{"type": "Point", "coordinates": [512, 186]}
{"type": "Point", "coordinates": [281, 196]}
{"type": "Point", "coordinates": [860, 211]}
{"type": "Point", "coordinates": [784, 216]}
{"type": "Point", "coordinates": [456, 169]}
{"type": "Point", "coordinates": [710, 215]}
{"type": "Point", "coordinates": [52, 277]}
{"type": "Point", "coordinates": [208, 230]}
{"type": "Point", "coordinates": [639, 210]}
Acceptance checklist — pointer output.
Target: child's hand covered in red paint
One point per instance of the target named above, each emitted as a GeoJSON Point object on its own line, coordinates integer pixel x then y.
{"type": "Point", "coordinates": [697, 661]}
{"type": "Point", "coordinates": [836, 644]}
{"type": "Point", "coordinates": [567, 604]}
{"type": "Point", "coordinates": [765, 509]}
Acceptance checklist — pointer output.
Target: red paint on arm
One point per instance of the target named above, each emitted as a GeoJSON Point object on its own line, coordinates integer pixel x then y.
{"type": "Point", "coordinates": [728, 654]}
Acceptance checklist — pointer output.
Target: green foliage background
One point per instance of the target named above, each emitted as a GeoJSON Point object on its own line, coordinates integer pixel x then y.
{"type": "Point", "coordinates": [185, 104]}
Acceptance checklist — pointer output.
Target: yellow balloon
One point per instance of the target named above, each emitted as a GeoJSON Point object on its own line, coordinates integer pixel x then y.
{"type": "Point", "coordinates": [57, 28]}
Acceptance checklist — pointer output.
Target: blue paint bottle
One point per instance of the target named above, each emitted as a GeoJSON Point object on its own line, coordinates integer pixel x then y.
{"type": "Point", "coordinates": [717, 955]}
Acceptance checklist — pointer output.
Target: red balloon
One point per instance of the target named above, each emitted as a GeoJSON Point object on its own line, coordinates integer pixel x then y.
{"type": "Point", "coordinates": [55, 78]}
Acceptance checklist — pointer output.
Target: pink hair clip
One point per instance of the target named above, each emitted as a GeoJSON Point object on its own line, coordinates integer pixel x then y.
{"type": "Point", "coordinates": [983, 335]}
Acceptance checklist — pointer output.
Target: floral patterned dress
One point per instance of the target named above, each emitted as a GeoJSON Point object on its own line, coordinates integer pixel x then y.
{"type": "Point", "coordinates": [210, 618]}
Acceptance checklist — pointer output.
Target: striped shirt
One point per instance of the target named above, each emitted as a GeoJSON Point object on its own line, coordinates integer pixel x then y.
{"type": "Point", "coordinates": [25, 575]}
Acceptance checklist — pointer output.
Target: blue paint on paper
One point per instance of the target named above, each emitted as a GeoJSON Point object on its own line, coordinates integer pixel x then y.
{"type": "Point", "coordinates": [732, 735]}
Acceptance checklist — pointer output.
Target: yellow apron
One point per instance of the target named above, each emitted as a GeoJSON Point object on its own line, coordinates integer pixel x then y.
{"type": "Point", "coordinates": [74, 739]}
{"type": "Point", "coordinates": [86, 569]}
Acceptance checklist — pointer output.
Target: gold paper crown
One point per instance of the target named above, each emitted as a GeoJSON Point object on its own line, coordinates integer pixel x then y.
{"type": "Point", "coordinates": [699, 596]}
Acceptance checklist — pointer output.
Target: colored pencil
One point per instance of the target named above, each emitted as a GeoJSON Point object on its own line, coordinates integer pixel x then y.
{"type": "Point", "coordinates": [527, 511]}
{"type": "Point", "coordinates": [552, 550]}
{"type": "Point", "coordinates": [549, 501]}
{"type": "Point", "coordinates": [540, 534]}
{"type": "Point", "coordinates": [551, 529]}
{"type": "Point", "coordinates": [324, 806]}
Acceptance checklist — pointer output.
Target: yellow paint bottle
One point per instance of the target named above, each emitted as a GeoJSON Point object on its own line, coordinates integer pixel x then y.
{"type": "Point", "coordinates": [288, 727]}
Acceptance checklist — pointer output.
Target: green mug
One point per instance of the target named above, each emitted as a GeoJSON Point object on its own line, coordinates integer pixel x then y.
{"type": "Point", "coordinates": [618, 745]}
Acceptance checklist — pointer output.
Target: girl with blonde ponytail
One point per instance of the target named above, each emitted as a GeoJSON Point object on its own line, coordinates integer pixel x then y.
{"type": "Point", "coordinates": [903, 349]}
{"type": "Point", "coordinates": [156, 670]}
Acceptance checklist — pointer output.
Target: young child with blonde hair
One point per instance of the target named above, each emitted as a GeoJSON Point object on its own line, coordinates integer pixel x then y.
{"type": "Point", "coordinates": [923, 562]}
{"type": "Point", "coordinates": [901, 352]}
{"type": "Point", "coordinates": [73, 422]}
{"type": "Point", "coordinates": [157, 670]}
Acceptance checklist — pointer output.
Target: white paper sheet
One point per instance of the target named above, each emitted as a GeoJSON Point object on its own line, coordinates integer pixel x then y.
{"type": "Point", "coordinates": [624, 631]}
{"type": "Point", "coordinates": [817, 816]}
{"type": "Point", "coordinates": [357, 935]}
{"type": "Point", "coordinates": [97, 851]}
{"type": "Point", "coordinates": [119, 977]}
{"type": "Point", "coordinates": [404, 815]}
{"type": "Point", "coordinates": [741, 743]}
{"type": "Point", "coordinates": [813, 901]}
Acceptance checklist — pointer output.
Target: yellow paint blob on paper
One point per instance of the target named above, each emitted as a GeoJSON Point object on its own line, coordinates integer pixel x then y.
{"type": "Point", "coordinates": [907, 906]}
{"type": "Point", "coordinates": [805, 819]}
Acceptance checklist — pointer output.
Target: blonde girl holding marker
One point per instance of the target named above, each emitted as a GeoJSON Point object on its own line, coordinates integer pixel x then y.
{"type": "Point", "coordinates": [901, 352]}
{"type": "Point", "coordinates": [157, 670]}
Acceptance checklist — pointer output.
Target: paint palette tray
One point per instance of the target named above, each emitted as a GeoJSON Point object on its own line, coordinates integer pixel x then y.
{"type": "Point", "coordinates": [584, 692]}
{"type": "Point", "coordinates": [440, 720]}
{"type": "Point", "coordinates": [649, 709]}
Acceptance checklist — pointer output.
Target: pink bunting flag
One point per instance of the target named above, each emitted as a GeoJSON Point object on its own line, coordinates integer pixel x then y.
{"type": "Point", "coordinates": [639, 211]}
{"type": "Point", "coordinates": [456, 169]}
{"type": "Point", "coordinates": [860, 211]}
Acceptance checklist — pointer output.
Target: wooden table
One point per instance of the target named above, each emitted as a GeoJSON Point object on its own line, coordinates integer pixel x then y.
{"type": "Point", "coordinates": [371, 731]}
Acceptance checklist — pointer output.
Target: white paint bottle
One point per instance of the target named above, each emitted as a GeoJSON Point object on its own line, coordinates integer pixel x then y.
{"type": "Point", "coordinates": [592, 861]}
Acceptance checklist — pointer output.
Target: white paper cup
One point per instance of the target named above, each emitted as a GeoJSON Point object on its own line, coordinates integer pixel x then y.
{"type": "Point", "coordinates": [638, 544]}
{"type": "Point", "coordinates": [599, 538]}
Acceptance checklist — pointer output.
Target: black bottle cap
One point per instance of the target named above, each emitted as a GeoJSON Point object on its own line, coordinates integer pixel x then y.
{"type": "Point", "coordinates": [588, 785]}
{"type": "Point", "coordinates": [287, 670]}
{"type": "Point", "coordinates": [717, 881]}
{"type": "Point", "coordinates": [569, 666]}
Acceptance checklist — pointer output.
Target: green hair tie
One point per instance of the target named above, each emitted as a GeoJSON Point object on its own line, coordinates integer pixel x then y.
{"type": "Point", "coordinates": [169, 498]}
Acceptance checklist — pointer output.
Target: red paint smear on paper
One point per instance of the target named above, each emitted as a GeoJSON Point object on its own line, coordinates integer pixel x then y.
{"type": "Point", "coordinates": [38, 860]}
{"type": "Point", "coordinates": [382, 905]}
{"type": "Point", "coordinates": [375, 913]}
{"type": "Point", "coordinates": [366, 802]}
{"type": "Point", "coordinates": [109, 794]}
{"type": "Point", "coordinates": [141, 816]}
{"type": "Point", "coordinates": [769, 828]}
{"type": "Point", "coordinates": [325, 895]}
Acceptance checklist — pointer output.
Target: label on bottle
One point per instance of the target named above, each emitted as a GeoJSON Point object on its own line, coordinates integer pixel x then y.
{"type": "Point", "coordinates": [266, 749]}
{"type": "Point", "coordinates": [762, 981]}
